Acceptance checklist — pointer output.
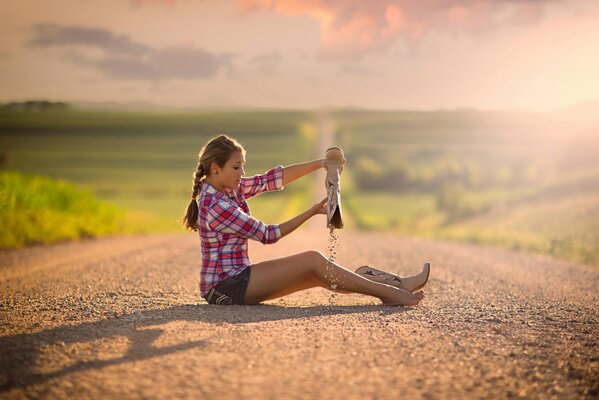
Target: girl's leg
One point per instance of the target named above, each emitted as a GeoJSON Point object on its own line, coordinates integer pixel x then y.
{"type": "Point", "coordinates": [283, 276]}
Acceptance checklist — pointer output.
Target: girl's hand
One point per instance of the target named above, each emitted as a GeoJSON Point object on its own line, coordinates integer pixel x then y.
{"type": "Point", "coordinates": [320, 207]}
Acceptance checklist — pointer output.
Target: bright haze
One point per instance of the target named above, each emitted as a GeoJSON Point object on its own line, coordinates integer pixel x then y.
{"type": "Point", "coordinates": [388, 54]}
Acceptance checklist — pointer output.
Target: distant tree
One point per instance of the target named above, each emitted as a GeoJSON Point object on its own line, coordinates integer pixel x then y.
{"type": "Point", "coordinates": [35, 105]}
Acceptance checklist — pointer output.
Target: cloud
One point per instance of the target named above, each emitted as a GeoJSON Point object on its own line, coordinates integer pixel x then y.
{"type": "Point", "coordinates": [268, 62]}
{"type": "Point", "coordinates": [48, 35]}
{"type": "Point", "coordinates": [353, 28]}
{"type": "Point", "coordinates": [123, 58]}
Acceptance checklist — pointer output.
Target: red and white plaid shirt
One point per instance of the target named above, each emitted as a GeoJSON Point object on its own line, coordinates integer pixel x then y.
{"type": "Point", "coordinates": [225, 225]}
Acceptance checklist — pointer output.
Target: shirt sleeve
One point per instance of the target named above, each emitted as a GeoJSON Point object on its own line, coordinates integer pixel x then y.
{"type": "Point", "coordinates": [270, 181]}
{"type": "Point", "coordinates": [228, 218]}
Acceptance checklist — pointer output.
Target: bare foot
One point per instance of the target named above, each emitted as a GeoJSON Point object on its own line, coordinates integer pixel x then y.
{"type": "Point", "coordinates": [416, 282]}
{"type": "Point", "coordinates": [404, 298]}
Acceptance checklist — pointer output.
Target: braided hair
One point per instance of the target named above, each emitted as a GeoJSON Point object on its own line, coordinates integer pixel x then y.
{"type": "Point", "coordinates": [218, 150]}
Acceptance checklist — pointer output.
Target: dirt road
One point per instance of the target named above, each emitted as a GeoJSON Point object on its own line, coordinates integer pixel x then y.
{"type": "Point", "coordinates": [121, 318]}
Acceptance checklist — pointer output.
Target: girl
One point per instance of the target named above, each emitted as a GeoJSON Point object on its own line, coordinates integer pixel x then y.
{"type": "Point", "coordinates": [218, 210]}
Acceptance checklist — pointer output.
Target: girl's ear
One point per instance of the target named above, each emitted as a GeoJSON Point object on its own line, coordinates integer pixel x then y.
{"type": "Point", "coordinates": [214, 168]}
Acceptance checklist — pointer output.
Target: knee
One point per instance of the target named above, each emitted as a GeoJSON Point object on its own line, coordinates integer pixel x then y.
{"type": "Point", "coordinates": [315, 258]}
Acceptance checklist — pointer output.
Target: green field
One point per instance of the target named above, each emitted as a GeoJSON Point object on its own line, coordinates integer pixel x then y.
{"type": "Point", "coordinates": [520, 181]}
{"type": "Point", "coordinates": [144, 161]}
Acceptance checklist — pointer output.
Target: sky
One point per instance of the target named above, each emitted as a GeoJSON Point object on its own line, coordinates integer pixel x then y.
{"type": "Point", "coordinates": [537, 55]}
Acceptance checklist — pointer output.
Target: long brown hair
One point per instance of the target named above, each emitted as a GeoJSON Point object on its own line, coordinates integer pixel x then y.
{"type": "Point", "coordinates": [218, 150]}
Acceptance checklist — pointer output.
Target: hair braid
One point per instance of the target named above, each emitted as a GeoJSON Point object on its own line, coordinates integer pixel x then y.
{"type": "Point", "coordinates": [191, 216]}
{"type": "Point", "coordinates": [198, 178]}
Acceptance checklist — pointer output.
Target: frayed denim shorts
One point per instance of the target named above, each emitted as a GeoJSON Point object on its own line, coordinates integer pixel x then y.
{"type": "Point", "coordinates": [231, 290]}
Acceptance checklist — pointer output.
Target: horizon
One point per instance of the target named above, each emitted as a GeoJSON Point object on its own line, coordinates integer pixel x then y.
{"type": "Point", "coordinates": [590, 108]}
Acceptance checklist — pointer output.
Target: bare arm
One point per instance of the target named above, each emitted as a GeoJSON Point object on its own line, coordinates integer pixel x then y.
{"type": "Point", "coordinates": [295, 222]}
{"type": "Point", "coordinates": [296, 171]}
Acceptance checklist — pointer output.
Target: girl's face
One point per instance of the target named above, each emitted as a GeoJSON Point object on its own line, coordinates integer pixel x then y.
{"type": "Point", "coordinates": [230, 175]}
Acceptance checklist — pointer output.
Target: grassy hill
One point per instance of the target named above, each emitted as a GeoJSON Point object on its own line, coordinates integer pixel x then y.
{"type": "Point", "coordinates": [522, 181]}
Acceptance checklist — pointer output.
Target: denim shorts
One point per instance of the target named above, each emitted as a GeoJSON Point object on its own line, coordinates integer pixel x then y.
{"type": "Point", "coordinates": [231, 290]}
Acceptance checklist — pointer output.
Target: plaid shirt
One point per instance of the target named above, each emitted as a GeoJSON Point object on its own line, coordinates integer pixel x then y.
{"type": "Point", "coordinates": [225, 225]}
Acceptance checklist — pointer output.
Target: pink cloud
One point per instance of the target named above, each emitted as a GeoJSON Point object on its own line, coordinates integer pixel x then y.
{"type": "Point", "coordinates": [353, 28]}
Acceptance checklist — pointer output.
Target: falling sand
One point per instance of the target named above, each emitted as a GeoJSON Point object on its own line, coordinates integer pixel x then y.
{"type": "Point", "coordinates": [329, 271]}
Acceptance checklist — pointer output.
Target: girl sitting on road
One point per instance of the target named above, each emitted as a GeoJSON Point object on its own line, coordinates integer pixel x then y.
{"type": "Point", "coordinates": [218, 210]}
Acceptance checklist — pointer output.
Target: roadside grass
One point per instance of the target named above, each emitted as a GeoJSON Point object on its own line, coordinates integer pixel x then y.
{"type": "Point", "coordinates": [567, 228]}
{"type": "Point", "coordinates": [35, 209]}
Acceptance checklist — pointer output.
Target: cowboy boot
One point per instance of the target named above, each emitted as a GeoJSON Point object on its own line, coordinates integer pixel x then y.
{"type": "Point", "coordinates": [409, 283]}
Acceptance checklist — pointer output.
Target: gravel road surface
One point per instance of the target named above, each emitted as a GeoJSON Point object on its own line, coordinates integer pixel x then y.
{"type": "Point", "coordinates": [121, 317]}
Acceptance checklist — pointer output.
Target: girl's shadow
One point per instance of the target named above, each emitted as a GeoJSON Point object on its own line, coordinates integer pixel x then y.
{"type": "Point", "coordinates": [18, 353]}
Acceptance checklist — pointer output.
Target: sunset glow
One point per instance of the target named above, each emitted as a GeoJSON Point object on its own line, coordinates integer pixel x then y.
{"type": "Point", "coordinates": [486, 54]}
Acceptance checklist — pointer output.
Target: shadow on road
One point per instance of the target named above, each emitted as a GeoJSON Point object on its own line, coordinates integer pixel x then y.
{"type": "Point", "coordinates": [19, 353]}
